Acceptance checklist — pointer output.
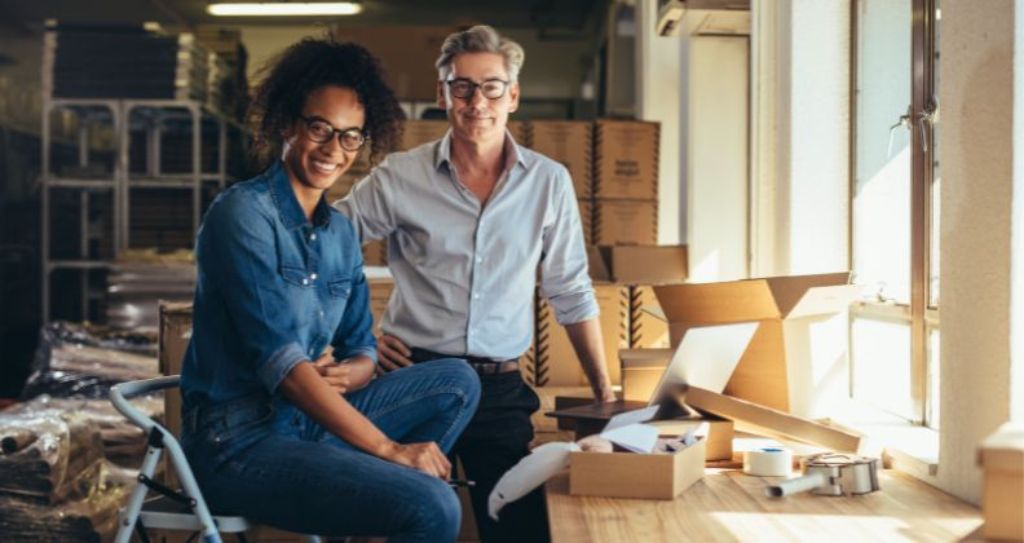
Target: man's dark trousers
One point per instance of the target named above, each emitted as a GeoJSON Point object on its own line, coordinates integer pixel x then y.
{"type": "Point", "coordinates": [496, 439]}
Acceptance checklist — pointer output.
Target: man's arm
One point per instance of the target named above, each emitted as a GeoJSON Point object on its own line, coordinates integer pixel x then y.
{"type": "Point", "coordinates": [565, 282]}
{"type": "Point", "coordinates": [589, 346]}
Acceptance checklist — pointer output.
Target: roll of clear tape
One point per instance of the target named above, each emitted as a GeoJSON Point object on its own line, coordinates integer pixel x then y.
{"type": "Point", "coordinates": [769, 462]}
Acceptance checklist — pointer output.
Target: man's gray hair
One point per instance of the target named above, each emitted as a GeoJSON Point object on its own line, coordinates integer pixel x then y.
{"type": "Point", "coordinates": [480, 39]}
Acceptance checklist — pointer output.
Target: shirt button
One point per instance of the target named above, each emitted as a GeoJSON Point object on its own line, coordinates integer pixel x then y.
{"type": "Point", "coordinates": [479, 259]}
{"type": "Point", "coordinates": [305, 281]}
{"type": "Point", "coordinates": [476, 296]}
{"type": "Point", "coordinates": [312, 277]}
{"type": "Point", "coordinates": [312, 237]}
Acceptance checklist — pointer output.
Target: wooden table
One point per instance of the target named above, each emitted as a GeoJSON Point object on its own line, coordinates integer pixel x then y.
{"type": "Point", "coordinates": [730, 506]}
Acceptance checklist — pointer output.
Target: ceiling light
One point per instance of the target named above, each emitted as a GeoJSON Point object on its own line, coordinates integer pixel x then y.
{"type": "Point", "coordinates": [233, 9]}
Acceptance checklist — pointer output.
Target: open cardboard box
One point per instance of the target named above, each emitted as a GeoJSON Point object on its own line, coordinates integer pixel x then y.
{"type": "Point", "coordinates": [638, 264]}
{"type": "Point", "coordinates": [786, 362]}
{"type": "Point", "coordinates": [634, 475]}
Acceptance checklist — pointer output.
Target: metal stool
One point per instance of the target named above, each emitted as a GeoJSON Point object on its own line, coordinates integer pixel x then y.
{"type": "Point", "coordinates": [183, 510]}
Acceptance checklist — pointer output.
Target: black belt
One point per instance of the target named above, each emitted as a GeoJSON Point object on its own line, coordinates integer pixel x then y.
{"type": "Point", "coordinates": [482, 365]}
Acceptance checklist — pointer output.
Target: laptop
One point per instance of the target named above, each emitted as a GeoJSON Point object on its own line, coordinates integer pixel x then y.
{"type": "Point", "coordinates": [706, 358]}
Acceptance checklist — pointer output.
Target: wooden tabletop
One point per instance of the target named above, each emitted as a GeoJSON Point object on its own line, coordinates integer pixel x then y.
{"type": "Point", "coordinates": [730, 506]}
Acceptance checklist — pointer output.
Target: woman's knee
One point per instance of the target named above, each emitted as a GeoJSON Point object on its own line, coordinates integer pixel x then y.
{"type": "Point", "coordinates": [439, 512]}
{"type": "Point", "coordinates": [463, 377]}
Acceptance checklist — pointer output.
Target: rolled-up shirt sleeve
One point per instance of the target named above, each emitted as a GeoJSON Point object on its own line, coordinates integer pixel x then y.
{"type": "Point", "coordinates": [237, 248]}
{"type": "Point", "coordinates": [565, 279]}
{"type": "Point", "coordinates": [367, 205]}
{"type": "Point", "coordinates": [354, 335]}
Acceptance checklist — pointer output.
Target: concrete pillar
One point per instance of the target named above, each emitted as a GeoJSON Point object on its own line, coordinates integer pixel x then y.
{"type": "Point", "coordinates": [976, 130]}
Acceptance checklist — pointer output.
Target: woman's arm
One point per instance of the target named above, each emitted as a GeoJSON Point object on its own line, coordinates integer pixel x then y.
{"type": "Point", "coordinates": [346, 375]}
{"type": "Point", "coordinates": [307, 390]}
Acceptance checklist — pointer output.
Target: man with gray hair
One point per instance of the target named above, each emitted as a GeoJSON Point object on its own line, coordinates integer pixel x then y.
{"type": "Point", "coordinates": [469, 219]}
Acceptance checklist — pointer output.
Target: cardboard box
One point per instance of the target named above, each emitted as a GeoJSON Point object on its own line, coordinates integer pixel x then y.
{"type": "Point", "coordinates": [625, 222]}
{"type": "Point", "coordinates": [571, 143]}
{"type": "Point", "coordinates": [380, 295]}
{"type": "Point", "coordinates": [626, 160]}
{"type": "Point", "coordinates": [630, 475]}
{"type": "Point", "coordinates": [1001, 456]}
{"type": "Point", "coordinates": [407, 52]}
{"type": "Point", "coordinates": [521, 132]}
{"type": "Point", "coordinates": [647, 326]}
{"type": "Point", "coordinates": [556, 362]}
{"type": "Point", "coordinates": [638, 264]}
{"type": "Point", "coordinates": [375, 253]}
{"type": "Point", "coordinates": [416, 133]}
{"type": "Point", "coordinates": [777, 365]}
{"type": "Point", "coordinates": [720, 434]}
{"type": "Point", "coordinates": [587, 220]}
{"type": "Point", "coordinates": [174, 337]}
{"type": "Point", "coordinates": [757, 419]}
{"type": "Point", "coordinates": [641, 371]}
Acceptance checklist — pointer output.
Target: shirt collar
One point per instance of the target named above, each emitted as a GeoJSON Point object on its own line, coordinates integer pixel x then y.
{"type": "Point", "coordinates": [288, 205]}
{"type": "Point", "coordinates": [513, 151]}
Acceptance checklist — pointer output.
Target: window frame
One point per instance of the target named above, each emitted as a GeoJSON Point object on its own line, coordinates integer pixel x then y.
{"type": "Point", "coordinates": [921, 314]}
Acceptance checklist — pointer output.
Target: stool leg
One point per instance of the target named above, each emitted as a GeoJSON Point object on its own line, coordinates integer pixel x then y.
{"type": "Point", "coordinates": [131, 512]}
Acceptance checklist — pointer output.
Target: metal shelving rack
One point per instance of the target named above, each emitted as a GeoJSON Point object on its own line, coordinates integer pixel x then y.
{"type": "Point", "coordinates": [121, 113]}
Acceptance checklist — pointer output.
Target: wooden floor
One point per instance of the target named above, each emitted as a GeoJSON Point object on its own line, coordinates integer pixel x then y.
{"type": "Point", "coordinates": [730, 506]}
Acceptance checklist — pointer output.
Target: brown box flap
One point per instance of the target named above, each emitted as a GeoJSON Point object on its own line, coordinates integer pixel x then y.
{"type": "Point", "coordinates": [638, 264]}
{"type": "Point", "coordinates": [645, 358]}
{"type": "Point", "coordinates": [798, 290]}
{"type": "Point", "coordinates": [757, 299]}
{"type": "Point", "coordinates": [771, 422]}
{"type": "Point", "coordinates": [718, 303]}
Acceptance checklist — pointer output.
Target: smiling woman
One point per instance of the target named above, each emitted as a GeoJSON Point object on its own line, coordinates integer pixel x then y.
{"type": "Point", "coordinates": [283, 421]}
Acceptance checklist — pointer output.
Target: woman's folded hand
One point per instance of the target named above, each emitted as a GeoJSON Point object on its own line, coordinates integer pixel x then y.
{"type": "Point", "coordinates": [426, 457]}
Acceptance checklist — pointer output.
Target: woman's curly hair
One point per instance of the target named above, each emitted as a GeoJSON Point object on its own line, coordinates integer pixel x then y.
{"type": "Point", "coordinates": [289, 79]}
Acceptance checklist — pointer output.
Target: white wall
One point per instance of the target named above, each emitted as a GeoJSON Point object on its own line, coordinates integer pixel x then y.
{"type": "Point", "coordinates": [1017, 229]}
{"type": "Point", "coordinates": [717, 166]}
{"type": "Point", "coordinates": [976, 93]}
{"type": "Point", "coordinates": [801, 134]}
{"type": "Point", "coordinates": [659, 61]}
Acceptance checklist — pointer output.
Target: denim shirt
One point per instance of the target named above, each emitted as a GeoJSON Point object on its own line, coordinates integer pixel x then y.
{"type": "Point", "coordinates": [273, 290]}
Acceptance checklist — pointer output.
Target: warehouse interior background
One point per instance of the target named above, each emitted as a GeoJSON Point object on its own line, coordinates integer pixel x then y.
{"type": "Point", "coordinates": [881, 137]}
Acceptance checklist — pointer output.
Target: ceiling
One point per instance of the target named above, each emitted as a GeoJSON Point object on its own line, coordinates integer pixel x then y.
{"type": "Point", "coordinates": [574, 15]}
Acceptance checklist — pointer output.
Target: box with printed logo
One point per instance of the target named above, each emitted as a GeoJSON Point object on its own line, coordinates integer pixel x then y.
{"type": "Point", "coordinates": [626, 159]}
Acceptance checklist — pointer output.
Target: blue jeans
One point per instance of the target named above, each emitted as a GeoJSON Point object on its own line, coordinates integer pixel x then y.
{"type": "Point", "coordinates": [274, 465]}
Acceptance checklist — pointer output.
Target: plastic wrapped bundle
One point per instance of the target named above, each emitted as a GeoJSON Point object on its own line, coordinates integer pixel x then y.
{"type": "Point", "coordinates": [123, 442]}
{"type": "Point", "coordinates": [81, 360]}
{"type": "Point", "coordinates": [91, 517]}
{"type": "Point", "coordinates": [49, 457]}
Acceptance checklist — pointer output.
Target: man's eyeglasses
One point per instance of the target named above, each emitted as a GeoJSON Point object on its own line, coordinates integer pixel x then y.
{"type": "Point", "coordinates": [492, 89]}
{"type": "Point", "coordinates": [321, 131]}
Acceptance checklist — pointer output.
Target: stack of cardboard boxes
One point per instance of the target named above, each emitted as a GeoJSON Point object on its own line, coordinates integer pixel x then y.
{"type": "Point", "coordinates": [625, 183]}
{"type": "Point", "coordinates": [571, 143]}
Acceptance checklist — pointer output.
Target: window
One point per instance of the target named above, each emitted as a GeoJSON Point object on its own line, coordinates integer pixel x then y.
{"type": "Point", "coordinates": [894, 330]}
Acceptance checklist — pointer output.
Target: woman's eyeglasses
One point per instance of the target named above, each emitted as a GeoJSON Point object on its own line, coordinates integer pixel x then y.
{"type": "Point", "coordinates": [321, 131]}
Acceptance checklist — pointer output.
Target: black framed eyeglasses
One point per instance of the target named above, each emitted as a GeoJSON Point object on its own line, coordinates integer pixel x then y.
{"type": "Point", "coordinates": [321, 131]}
{"type": "Point", "coordinates": [492, 89]}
